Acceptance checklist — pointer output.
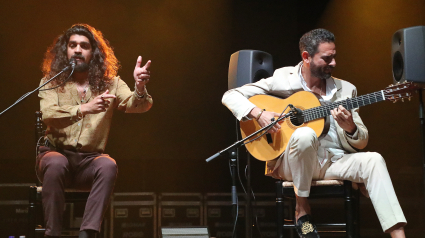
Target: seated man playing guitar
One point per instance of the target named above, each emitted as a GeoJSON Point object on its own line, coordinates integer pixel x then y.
{"type": "Point", "coordinates": [308, 155]}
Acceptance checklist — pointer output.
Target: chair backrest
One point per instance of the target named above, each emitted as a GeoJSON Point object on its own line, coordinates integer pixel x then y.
{"type": "Point", "coordinates": [39, 131]}
{"type": "Point", "coordinates": [39, 135]}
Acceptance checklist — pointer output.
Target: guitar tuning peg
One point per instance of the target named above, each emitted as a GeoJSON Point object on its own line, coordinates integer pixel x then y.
{"type": "Point", "coordinates": [402, 99]}
{"type": "Point", "coordinates": [395, 100]}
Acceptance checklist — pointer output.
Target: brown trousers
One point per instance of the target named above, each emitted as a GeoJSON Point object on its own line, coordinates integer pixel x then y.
{"type": "Point", "coordinates": [94, 172]}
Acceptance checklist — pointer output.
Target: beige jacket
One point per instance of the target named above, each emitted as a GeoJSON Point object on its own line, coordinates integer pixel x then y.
{"type": "Point", "coordinates": [285, 82]}
{"type": "Point", "coordinates": [89, 134]}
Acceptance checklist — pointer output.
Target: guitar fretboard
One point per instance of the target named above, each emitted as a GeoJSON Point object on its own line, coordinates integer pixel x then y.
{"type": "Point", "coordinates": [350, 103]}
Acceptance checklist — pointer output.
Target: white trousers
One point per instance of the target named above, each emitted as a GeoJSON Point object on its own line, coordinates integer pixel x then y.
{"type": "Point", "coordinates": [301, 165]}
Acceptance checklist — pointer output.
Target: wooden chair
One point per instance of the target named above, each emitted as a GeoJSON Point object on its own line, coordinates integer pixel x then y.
{"type": "Point", "coordinates": [34, 227]}
{"type": "Point", "coordinates": [71, 195]}
{"type": "Point", "coordinates": [323, 189]}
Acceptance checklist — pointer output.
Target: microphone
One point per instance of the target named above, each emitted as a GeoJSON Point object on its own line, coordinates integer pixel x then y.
{"type": "Point", "coordinates": [71, 64]}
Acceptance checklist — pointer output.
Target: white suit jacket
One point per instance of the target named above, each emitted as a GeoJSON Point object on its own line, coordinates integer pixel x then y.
{"type": "Point", "coordinates": [285, 82]}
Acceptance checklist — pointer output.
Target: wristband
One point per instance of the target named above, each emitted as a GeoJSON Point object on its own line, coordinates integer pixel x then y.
{"type": "Point", "coordinates": [259, 114]}
{"type": "Point", "coordinates": [138, 94]}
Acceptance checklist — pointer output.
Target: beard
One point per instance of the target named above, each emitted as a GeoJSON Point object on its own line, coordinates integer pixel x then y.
{"type": "Point", "coordinates": [82, 66]}
{"type": "Point", "coordinates": [319, 72]}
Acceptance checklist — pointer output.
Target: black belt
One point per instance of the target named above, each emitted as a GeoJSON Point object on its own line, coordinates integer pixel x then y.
{"type": "Point", "coordinates": [48, 144]}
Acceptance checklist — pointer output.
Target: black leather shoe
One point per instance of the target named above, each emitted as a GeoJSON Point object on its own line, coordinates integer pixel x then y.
{"type": "Point", "coordinates": [306, 228]}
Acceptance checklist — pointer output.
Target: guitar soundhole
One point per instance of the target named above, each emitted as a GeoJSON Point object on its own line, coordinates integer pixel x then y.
{"type": "Point", "coordinates": [297, 120]}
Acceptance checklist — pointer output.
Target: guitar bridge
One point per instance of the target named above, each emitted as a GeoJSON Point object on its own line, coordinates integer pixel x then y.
{"type": "Point", "coordinates": [269, 138]}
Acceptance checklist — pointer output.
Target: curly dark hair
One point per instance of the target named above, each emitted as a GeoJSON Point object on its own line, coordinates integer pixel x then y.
{"type": "Point", "coordinates": [103, 65]}
{"type": "Point", "coordinates": [310, 41]}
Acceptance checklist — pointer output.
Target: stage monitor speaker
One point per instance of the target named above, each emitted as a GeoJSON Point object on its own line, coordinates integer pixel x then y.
{"type": "Point", "coordinates": [408, 52]}
{"type": "Point", "coordinates": [249, 66]}
{"type": "Point", "coordinates": [187, 232]}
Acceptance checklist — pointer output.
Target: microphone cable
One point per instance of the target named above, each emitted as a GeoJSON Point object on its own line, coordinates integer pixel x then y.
{"type": "Point", "coordinates": [59, 84]}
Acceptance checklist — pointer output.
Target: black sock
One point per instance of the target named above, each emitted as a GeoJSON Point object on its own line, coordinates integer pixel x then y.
{"type": "Point", "coordinates": [87, 234]}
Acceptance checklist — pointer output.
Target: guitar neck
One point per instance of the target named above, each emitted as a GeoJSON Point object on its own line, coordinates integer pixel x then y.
{"type": "Point", "coordinates": [349, 103]}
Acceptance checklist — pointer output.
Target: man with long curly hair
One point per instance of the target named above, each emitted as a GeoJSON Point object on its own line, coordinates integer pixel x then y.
{"type": "Point", "coordinates": [78, 112]}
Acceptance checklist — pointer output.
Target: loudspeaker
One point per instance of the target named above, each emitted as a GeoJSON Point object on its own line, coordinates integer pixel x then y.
{"type": "Point", "coordinates": [249, 66]}
{"type": "Point", "coordinates": [408, 52]}
{"type": "Point", "coordinates": [189, 232]}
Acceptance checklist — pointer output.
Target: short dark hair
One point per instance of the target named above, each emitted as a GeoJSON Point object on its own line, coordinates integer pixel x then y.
{"type": "Point", "coordinates": [310, 41]}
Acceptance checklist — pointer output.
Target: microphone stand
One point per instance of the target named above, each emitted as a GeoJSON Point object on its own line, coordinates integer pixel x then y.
{"type": "Point", "coordinates": [241, 142]}
{"type": "Point", "coordinates": [29, 93]}
{"type": "Point", "coordinates": [233, 166]}
{"type": "Point", "coordinates": [233, 157]}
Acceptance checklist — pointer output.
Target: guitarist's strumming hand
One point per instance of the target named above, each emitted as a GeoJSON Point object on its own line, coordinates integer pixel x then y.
{"type": "Point", "coordinates": [344, 119]}
{"type": "Point", "coordinates": [265, 118]}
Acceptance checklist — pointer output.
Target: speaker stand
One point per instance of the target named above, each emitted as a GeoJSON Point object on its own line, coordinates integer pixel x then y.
{"type": "Point", "coordinates": [234, 157]}
{"type": "Point", "coordinates": [248, 205]}
{"type": "Point", "coordinates": [422, 121]}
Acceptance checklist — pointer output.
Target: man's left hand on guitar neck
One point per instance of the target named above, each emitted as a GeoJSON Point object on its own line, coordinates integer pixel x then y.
{"type": "Point", "coordinates": [344, 119]}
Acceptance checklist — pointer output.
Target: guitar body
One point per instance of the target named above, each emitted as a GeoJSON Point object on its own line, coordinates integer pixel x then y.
{"type": "Point", "coordinates": [261, 149]}
{"type": "Point", "coordinates": [269, 147]}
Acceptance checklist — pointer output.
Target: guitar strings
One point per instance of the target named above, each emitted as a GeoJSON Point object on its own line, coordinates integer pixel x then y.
{"type": "Point", "coordinates": [350, 103]}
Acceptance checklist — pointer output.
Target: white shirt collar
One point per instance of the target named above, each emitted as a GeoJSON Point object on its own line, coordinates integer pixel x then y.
{"type": "Point", "coordinates": [330, 86]}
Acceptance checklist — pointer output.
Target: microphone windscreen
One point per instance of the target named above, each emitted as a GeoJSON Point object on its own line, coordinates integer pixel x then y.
{"type": "Point", "coordinates": [72, 62]}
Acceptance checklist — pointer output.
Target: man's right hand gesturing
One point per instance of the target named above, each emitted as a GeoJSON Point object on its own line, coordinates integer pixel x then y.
{"type": "Point", "coordinates": [99, 104]}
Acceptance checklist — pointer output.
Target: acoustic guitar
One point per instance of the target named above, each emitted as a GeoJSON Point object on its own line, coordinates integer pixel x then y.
{"type": "Point", "coordinates": [310, 113]}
